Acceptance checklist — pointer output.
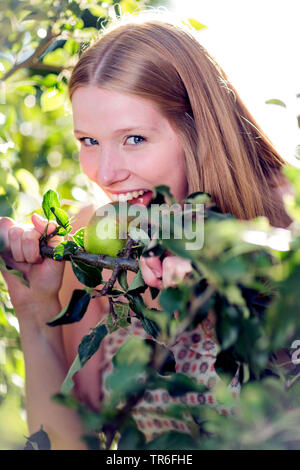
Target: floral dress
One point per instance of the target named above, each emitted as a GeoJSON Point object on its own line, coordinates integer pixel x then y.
{"type": "Point", "coordinates": [195, 354]}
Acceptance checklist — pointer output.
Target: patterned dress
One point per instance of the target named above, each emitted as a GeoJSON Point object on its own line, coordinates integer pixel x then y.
{"type": "Point", "coordinates": [195, 354]}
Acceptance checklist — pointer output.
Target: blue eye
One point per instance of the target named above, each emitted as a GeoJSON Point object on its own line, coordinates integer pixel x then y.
{"type": "Point", "coordinates": [135, 137]}
{"type": "Point", "coordinates": [85, 139]}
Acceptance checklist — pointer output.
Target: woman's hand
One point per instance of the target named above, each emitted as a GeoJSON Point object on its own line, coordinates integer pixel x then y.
{"type": "Point", "coordinates": [167, 273]}
{"type": "Point", "coordinates": [22, 253]}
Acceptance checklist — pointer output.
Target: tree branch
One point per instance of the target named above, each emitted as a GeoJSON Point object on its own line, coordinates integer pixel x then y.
{"type": "Point", "coordinates": [32, 60]}
{"type": "Point", "coordinates": [99, 261]}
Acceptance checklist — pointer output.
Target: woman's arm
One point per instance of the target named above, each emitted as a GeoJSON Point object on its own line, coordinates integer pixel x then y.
{"type": "Point", "coordinates": [45, 369]}
{"type": "Point", "coordinates": [44, 353]}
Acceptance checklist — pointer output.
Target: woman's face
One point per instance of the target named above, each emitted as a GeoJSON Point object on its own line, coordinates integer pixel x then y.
{"type": "Point", "coordinates": [126, 143]}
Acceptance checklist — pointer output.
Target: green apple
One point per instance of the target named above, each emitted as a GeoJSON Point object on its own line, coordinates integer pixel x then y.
{"type": "Point", "coordinates": [106, 233]}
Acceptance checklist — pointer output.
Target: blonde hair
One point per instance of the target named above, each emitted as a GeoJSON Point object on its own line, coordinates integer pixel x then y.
{"type": "Point", "coordinates": [227, 154]}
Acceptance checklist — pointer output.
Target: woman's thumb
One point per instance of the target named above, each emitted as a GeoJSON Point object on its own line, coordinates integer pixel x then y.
{"type": "Point", "coordinates": [154, 263]}
{"type": "Point", "coordinates": [40, 224]}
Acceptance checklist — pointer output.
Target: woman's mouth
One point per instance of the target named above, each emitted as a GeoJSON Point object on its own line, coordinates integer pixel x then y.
{"type": "Point", "coordinates": [142, 196]}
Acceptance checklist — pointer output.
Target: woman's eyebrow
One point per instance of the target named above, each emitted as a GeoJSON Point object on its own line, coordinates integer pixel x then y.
{"type": "Point", "coordinates": [120, 131]}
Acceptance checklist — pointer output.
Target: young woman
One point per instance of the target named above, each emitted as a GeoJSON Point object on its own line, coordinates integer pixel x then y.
{"type": "Point", "coordinates": [150, 107]}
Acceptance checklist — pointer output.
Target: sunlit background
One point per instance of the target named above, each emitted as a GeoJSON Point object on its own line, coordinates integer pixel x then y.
{"type": "Point", "coordinates": [256, 42]}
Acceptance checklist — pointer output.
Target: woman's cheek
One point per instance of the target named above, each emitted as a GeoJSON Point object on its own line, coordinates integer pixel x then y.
{"type": "Point", "coordinates": [87, 166]}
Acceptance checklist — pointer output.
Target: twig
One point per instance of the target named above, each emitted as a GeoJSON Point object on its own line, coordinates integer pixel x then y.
{"type": "Point", "coordinates": [110, 431]}
{"type": "Point", "coordinates": [99, 261]}
{"type": "Point", "coordinates": [111, 308]}
{"type": "Point", "coordinates": [32, 60]}
{"type": "Point", "coordinates": [110, 283]}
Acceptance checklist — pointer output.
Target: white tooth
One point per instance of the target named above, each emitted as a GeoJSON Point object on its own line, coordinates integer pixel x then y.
{"type": "Point", "coordinates": [135, 193]}
{"type": "Point", "coordinates": [122, 197]}
{"type": "Point", "coordinates": [114, 197]}
{"type": "Point", "coordinates": [141, 192]}
{"type": "Point", "coordinates": [129, 197]}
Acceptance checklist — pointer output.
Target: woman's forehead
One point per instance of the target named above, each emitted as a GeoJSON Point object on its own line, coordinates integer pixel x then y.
{"type": "Point", "coordinates": [120, 110]}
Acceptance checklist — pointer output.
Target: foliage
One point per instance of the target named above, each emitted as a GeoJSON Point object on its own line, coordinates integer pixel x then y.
{"type": "Point", "coordinates": [248, 286]}
{"type": "Point", "coordinates": [247, 272]}
{"type": "Point", "coordinates": [40, 41]}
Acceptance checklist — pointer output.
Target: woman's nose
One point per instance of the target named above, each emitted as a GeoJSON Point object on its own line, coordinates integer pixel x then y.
{"type": "Point", "coordinates": [111, 169]}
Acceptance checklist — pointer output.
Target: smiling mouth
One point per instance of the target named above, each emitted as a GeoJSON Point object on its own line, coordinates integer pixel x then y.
{"type": "Point", "coordinates": [135, 197]}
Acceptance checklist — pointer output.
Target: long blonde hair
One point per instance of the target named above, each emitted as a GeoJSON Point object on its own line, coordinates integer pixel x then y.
{"type": "Point", "coordinates": [227, 154]}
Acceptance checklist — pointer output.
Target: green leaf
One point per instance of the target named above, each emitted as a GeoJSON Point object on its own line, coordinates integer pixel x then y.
{"type": "Point", "coordinates": [196, 25]}
{"type": "Point", "coordinates": [164, 191]}
{"type": "Point", "coordinates": [122, 279]}
{"type": "Point", "coordinates": [28, 181]}
{"type": "Point", "coordinates": [172, 440]}
{"type": "Point", "coordinates": [163, 357]}
{"type": "Point", "coordinates": [278, 102]}
{"type": "Point", "coordinates": [156, 249]}
{"type": "Point", "coordinates": [62, 218]}
{"type": "Point", "coordinates": [131, 438]}
{"type": "Point", "coordinates": [50, 199]}
{"type": "Point", "coordinates": [74, 310]}
{"type": "Point", "coordinates": [135, 350]}
{"type": "Point", "coordinates": [68, 383]}
{"type": "Point", "coordinates": [52, 98]}
{"type": "Point", "coordinates": [137, 304]}
{"type": "Point", "coordinates": [38, 441]}
{"type": "Point", "coordinates": [154, 292]}
{"type": "Point", "coordinates": [65, 248]}
{"type": "Point", "coordinates": [62, 232]}
{"type": "Point", "coordinates": [198, 197]}
{"type": "Point", "coordinates": [121, 311]}
{"type": "Point", "coordinates": [15, 272]}
{"type": "Point", "coordinates": [88, 346]}
{"type": "Point", "coordinates": [88, 275]}
{"type": "Point", "coordinates": [79, 237]}
{"type": "Point", "coordinates": [115, 293]}
{"type": "Point", "coordinates": [91, 343]}
{"type": "Point", "coordinates": [138, 283]}
{"type": "Point", "coordinates": [71, 46]}
{"type": "Point", "coordinates": [226, 365]}
{"type": "Point", "coordinates": [124, 381]}
{"type": "Point", "coordinates": [180, 384]}
{"type": "Point", "coordinates": [227, 332]}
{"type": "Point", "coordinates": [150, 327]}
{"type": "Point", "coordinates": [174, 298]}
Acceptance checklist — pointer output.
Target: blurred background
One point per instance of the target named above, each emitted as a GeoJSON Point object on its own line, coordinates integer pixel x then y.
{"type": "Point", "coordinates": [255, 42]}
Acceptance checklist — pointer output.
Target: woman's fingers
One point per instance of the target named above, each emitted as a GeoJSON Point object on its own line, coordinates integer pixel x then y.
{"type": "Point", "coordinates": [164, 274]}
{"type": "Point", "coordinates": [174, 269]}
{"type": "Point", "coordinates": [154, 263]}
{"type": "Point", "coordinates": [151, 277]}
{"type": "Point", "coordinates": [30, 246]}
{"type": "Point", "coordinates": [40, 224]}
{"type": "Point", "coordinates": [5, 224]}
{"type": "Point", "coordinates": [15, 242]}
{"type": "Point", "coordinates": [23, 240]}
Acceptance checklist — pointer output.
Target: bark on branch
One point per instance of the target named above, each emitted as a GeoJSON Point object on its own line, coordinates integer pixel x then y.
{"type": "Point", "coordinates": [33, 59]}
{"type": "Point", "coordinates": [99, 261]}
